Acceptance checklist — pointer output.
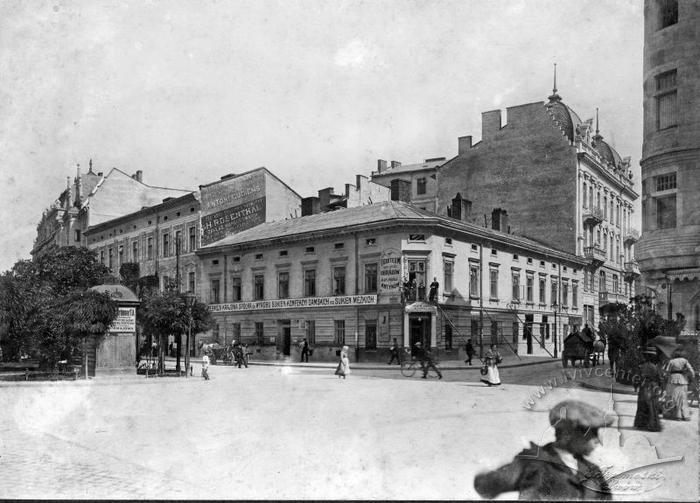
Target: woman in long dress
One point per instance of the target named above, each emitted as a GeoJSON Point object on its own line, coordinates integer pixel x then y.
{"type": "Point", "coordinates": [647, 417]}
{"type": "Point", "coordinates": [492, 359]}
{"type": "Point", "coordinates": [344, 364]}
{"type": "Point", "coordinates": [679, 371]}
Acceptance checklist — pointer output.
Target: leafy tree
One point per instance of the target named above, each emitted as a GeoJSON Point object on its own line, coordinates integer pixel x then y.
{"type": "Point", "coordinates": [69, 268]}
{"type": "Point", "coordinates": [165, 313]}
{"type": "Point", "coordinates": [129, 272]}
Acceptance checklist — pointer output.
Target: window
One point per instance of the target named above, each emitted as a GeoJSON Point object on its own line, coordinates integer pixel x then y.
{"type": "Point", "coordinates": [191, 282]}
{"type": "Point", "coordinates": [339, 330]}
{"type": "Point", "coordinates": [258, 256]}
{"type": "Point", "coordinates": [474, 280]}
{"type": "Point", "coordinates": [615, 284]}
{"type": "Point", "coordinates": [214, 294]}
{"type": "Point", "coordinates": [237, 258]}
{"type": "Point", "coordinates": [565, 293]}
{"type": "Point", "coordinates": [111, 258]}
{"type": "Point", "coordinates": [311, 332]}
{"type": "Point", "coordinates": [666, 212]}
{"type": "Point", "coordinates": [135, 251]}
{"type": "Point", "coordinates": [310, 249]}
{"type": "Point", "coordinates": [178, 242]}
{"type": "Point", "coordinates": [555, 292]}
{"type": "Point", "coordinates": [601, 282]}
{"type": "Point", "coordinates": [371, 278]}
{"type": "Point", "coordinates": [370, 334]}
{"type": "Point", "coordinates": [149, 248]}
{"type": "Point", "coordinates": [420, 186]}
{"type": "Point", "coordinates": [120, 256]}
{"type": "Point", "coordinates": [543, 290]}
{"type": "Point", "coordinates": [416, 237]}
{"type": "Point", "coordinates": [448, 336]}
{"type": "Point", "coordinates": [475, 329]}
{"type": "Point", "coordinates": [447, 283]}
{"type": "Point", "coordinates": [284, 253]}
{"type": "Point", "coordinates": [339, 280]}
{"type": "Point", "coordinates": [166, 245]}
{"type": "Point", "coordinates": [259, 287]}
{"type": "Point", "coordinates": [339, 246]}
{"type": "Point", "coordinates": [493, 281]}
{"type": "Point", "coordinates": [102, 257]}
{"type": "Point", "coordinates": [516, 286]}
{"type": "Point", "coordinates": [585, 195]}
{"type": "Point", "coordinates": [666, 100]}
{"type": "Point", "coordinates": [665, 182]}
{"type": "Point", "coordinates": [668, 13]}
{"type": "Point", "coordinates": [529, 288]}
{"type": "Point", "coordinates": [574, 295]}
{"type": "Point", "coordinates": [235, 288]}
{"type": "Point", "coordinates": [448, 241]}
{"type": "Point", "coordinates": [193, 239]}
{"type": "Point", "coordinates": [77, 235]}
{"type": "Point", "coordinates": [310, 283]}
{"type": "Point", "coordinates": [259, 333]}
{"type": "Point", "coordinates": [371, 242]}
{"type": "Point", "coordinates": [283, 285]}
{"type": "Point", "coordinates": [605, 207]}
{"type": "Point", "coordinates": [516, 330]}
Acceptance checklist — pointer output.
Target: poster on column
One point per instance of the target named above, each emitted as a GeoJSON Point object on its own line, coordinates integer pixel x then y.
{"type": "Point", "coordinates": [232, 205]}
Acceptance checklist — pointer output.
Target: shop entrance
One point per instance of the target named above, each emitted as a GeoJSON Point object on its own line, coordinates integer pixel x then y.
{"type": "Point", "coordinates": [529, 319]}
{"type": "Point", "coordinates": [419, 329]}
{"type": "Point", "coordinates": [285, 336]}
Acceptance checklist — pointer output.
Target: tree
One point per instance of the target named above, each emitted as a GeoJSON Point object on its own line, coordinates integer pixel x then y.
{"type": "Point", "coordinates": [165, 313]}
{"type": "Point", "coordinates": [69, 268]}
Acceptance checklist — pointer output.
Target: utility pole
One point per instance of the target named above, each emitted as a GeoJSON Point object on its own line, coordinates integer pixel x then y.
{"type": "Point", "coordinates": [481, 300]}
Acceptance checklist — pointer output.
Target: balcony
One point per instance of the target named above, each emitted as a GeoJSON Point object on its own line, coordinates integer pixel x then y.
{"type": "Point", "coordinates": [595, 255]}
{"type": "Point", "coordinates": [612, 298]}
{"type": "Point", "coordinates": [592, 216]}
{"type": "Point", "coordinates": [631, 271]}
{"type": "Point", "coordinates": [631, 236]}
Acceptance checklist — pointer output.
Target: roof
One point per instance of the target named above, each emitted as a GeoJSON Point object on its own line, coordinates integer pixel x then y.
{"type": "Point", "coordinates": [391, 213]}
{"type": "Point", "coordinates": [405, 168]}
{"type": "Point", "coordinates": [118, 293]}
{"type": "Point", "coordinates": [564, 116]}
{"type": "Point", "coordinates": [606, 151]}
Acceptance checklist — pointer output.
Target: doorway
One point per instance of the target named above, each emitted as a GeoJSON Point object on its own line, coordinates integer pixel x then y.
{"type": "Point", "coordinates": [529, 320]}
{"type": "Point", "coordinates": [285, 331]}
{"type": "Point", "coordinates": [419, 329]}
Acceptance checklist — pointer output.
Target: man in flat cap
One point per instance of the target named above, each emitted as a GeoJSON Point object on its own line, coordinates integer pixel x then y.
{"type": "Point", "coordinates": [558, 470]}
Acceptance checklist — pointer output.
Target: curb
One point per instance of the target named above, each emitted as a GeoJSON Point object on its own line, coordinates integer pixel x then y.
{"type": "Point", "coordinates": [595, 387]}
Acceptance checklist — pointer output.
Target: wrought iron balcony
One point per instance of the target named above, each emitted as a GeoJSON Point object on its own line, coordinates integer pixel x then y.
{"type": "Point", "coordinates": [632, 270]}
{"type": "Point", "coordinates": [595, 255]}
{"type": "Point", "coordinates": [631, 236]}
{"type": "Point", "coordinates": [592, 216]}
{"type": "Point", "coordinates": [612, 298]}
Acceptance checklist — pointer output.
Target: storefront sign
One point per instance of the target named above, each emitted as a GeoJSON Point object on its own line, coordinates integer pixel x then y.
{"type": "Point", "coordinates": [390, 272]}
{"type": "Point", "coordinates": [125, 320]}
{"type": "Point", "coordinates": [346, 300]}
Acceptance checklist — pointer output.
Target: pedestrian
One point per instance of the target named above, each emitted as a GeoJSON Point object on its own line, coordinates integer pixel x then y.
{"type": "Point", "coordinates": [240, 357]}
{"type": "Point", "coordinates": [304, 345]}
{"type": "Point", "coordinates": [426, 360]}
{"type": "Point", "coordinates": [470, 352]}
{"type": "Point", "coordinates": [679, 373]}
{"type": "Point", "coordinates": [491, 361]}
{"type": "Point", "coordinates": [394, 353]}
{"type": "Point", "coordinates": [343, 368]}
{"type": "Point", "coordinates": [434, 286]}
{"type": "Point", "coordinates": [557, 470]}
{"type": "Point", "coordinates": [205, 367]}
{"type": "Point", "coordinates": [647, 416]}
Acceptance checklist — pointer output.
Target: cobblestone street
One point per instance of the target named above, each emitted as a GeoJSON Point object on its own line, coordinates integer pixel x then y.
{"type": "Point", "coordinates": [278, 432]}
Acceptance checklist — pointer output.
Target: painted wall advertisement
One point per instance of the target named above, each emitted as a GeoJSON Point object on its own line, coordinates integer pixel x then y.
{"type": "Point", "coordinates": [125, 320]}
{"type": "Point", "coordinates": [232, 206]}
{"type": "Point", "coordinates": [390, 272]}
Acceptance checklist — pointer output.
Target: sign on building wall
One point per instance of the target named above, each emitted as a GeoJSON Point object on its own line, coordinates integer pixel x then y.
{"type": "Point", "coordinates": [125, 320]}
{"type": "Point", "coordinates": [232, 205]}
{"type": "Point", "coordinates": [345, 300]}
{"type": "Point", "coordinates": [390, 272]}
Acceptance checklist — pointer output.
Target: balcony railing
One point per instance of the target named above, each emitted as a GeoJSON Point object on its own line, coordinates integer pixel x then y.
{"type": "Point", "coordinates": [632, 270]}
{"type": "Point", "coordinates": [592, 216]}
{"type": "Point", "coordinates": [612, 298]}
{"type": "Point", "coordinates": [413, 294]}
{"type": "Point", "coordinates": [631, 236]}
{"type": "Point", "coordinates": [595, 254]}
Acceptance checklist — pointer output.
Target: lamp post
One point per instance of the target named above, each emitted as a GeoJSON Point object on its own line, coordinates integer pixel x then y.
{"type": "Point", "coordinates": [556, 308]}
{"type": "Point", "coordinates": [191, 299]}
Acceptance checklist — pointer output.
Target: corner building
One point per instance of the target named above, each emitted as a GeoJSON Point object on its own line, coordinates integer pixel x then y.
{"type": "Point", "coordinates": [361, 277]}
{"type": "Point", "coordinates": [559, 182]}
{"type": "Point", "coordinates": [669, 249]}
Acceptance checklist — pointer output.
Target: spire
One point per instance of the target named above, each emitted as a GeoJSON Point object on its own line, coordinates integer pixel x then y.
{"type": "Point", "coordinates": [597, 135]}
{"type": "Point", "coordinates": [90, 170]}
{"type": "Point", "coordinates": [554, 97]}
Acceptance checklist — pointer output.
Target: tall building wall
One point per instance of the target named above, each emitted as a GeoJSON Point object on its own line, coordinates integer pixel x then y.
{"type": "Point", "coordinates": [669, 249]}
{"type": "Point", "coordinates": [526, 166]}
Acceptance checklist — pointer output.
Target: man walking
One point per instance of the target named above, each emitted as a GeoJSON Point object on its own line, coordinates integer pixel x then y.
{"type": "Point", "coordinates": [304, 350]}
{"type": "Point", "coordinates": [426, 360]}
{"type": "Point", "coordinates": [470, 352]}
{"type": "Point", "coordinates": [394, 353]}
{"type": "Point", "coordinates": [205, 367]}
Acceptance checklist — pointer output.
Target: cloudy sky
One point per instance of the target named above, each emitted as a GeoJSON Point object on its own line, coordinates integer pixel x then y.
{"type": "Point", "coordinates": [316, 91]}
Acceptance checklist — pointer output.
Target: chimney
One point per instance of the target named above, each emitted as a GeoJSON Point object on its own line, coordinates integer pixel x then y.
{"type": "Point", "coordinates": [309, 206]}
{"type": "Point", "coordinates": [401, 190]}
{"type": "Point", "coordinates": [324, 198]}
{"type": "Point", "coordinates": [78, 187]}
{"type": "Point", "coordinates": [139, 175]}
{"type": "Point", "coordinates": [499, 220]}
{"type": "Point", "coordinates": [69, 197]}
{"type": "Point", "coordinates": [99, 173]}
{"type": "Point", "coordinates": [464, 143]}
{"type": "Point", "coordinates": [395, 164]}
{"type": "Point", "coordinates": [490, 123]}
{"type": "Point", "coordinates": [381, 166]}
{"type": "Point", "coordinates": [461, 208]}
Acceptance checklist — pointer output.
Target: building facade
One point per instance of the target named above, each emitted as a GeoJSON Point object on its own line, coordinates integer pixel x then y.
{"type": "Point", "coordinates": [669, 249]}
{"type": "Point", "coordinates": [557, 181]}
{"type": "Point", "coordinates": [362, 277]}
{"type": "Point", "coordinates": [414, 183]}
{"type": "Point", "coordinates": [93, 198]}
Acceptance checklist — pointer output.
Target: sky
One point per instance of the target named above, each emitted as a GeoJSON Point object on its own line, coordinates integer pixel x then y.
{"type": "Point", "coordinates": [315, 91]}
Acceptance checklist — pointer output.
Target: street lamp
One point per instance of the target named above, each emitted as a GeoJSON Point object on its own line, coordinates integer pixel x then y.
{"type": "Point", "coordinates": [191, 299]}
{"type": "Point", "coordinates": [556, 308]}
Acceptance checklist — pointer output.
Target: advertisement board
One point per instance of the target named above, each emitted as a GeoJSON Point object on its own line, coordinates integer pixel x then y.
{"type": "Point", "coordinates": [125, 320]}
{"type": "Point", "coordinates": [345, 300]}
{"type": "Point", "coordinates": [390, 272]}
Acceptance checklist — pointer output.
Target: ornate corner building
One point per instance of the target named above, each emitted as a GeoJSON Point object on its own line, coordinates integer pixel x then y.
{"type": "Point", "coordinates": [669, 248]}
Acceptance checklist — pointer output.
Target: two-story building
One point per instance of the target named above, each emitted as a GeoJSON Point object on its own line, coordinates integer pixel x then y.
{"type": "Point", "coordinates": [362, 277]}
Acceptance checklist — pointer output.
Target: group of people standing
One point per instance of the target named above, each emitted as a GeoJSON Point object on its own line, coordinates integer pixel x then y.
{"type": "Point", "coordinates": [663, 389]}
